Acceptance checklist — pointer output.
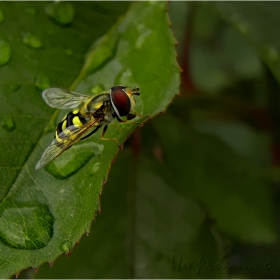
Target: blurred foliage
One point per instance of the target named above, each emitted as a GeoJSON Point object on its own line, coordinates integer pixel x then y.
{"type": "Point", "coordinates": [195, 192]}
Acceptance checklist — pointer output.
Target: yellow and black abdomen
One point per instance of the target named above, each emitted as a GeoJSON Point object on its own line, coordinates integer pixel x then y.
{"type": "Point", "coordinates": [72, 118]}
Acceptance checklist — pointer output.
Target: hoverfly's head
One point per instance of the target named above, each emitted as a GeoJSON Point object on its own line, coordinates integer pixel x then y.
{"type": "Point", "coordinates": [122, 99]}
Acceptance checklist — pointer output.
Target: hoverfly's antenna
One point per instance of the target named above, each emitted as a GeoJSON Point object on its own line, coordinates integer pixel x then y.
{"type": "Point", "coordinates": [135, 91]}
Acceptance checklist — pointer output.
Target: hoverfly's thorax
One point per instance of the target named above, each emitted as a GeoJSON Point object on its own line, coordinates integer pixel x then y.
{"type": "Point", "coordinates": [90, 114]}
{"type": "Point", "coordinates": [98, 103]}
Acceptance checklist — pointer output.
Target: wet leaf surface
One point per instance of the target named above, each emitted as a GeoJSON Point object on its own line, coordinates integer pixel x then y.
{"type": "Point", "coordinates": [61, 200]}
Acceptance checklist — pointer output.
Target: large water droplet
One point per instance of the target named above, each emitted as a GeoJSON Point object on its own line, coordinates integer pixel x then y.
{"type": "Point", "coordinates": [143, 33]}
{"type": "Point", "coordinates": [32, 41]}
{"type": "Point", "coordinates": [63, 13]}
{"type": "Point", "coordinates": [65, 246]}
{"type": "Point", "coordinates": [95, 168]}
{"type": "Point", "coordinates": [97, 89]}
{"type": "Point", "coordinates": [27, 226]}
{"type": "Point", "coordinates": [1, 16]}
{"type": "Point", "coordinates": [14, 87]}
{"type": "Point", "coordinates": [73, 159]}
{"type": "Point", "coordinates": [8, 123]}
{"type": "Point", "coordinates": [5, 52]}
{"type": "Point", "coordinates": [31, 11]}
{"type": "Point", "coordinates": [125, 77]}
{"type": "Point", "coordinates": [42, 82]}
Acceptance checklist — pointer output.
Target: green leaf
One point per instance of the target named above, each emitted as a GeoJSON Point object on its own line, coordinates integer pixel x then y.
{"type": "Point", "coordinates": [147, 231]}
{"type": "Point", "coordinates": [263, 34]}
{"type": "Point", "coordinates": [203, 167]}
{"type": "Point", "coordinates": [45, 212]}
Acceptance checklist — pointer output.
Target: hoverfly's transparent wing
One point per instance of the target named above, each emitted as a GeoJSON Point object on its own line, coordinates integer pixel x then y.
{"type": "Point", "coordinates": [63, 98]}
{"type": "Point", "coordinates": [65, 140]}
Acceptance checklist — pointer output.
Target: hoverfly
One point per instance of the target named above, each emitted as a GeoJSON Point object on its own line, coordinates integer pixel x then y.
{"type": "Point", "coordinates": [91, 112]}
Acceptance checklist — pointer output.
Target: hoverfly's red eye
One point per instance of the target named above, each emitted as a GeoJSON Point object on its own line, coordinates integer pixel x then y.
{"type": "Point", "coordinates": [120, 101]}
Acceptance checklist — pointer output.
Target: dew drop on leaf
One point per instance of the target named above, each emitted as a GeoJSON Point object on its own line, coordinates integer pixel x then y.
{"type": "Point", "coordinates": [5, 52]}
{"type": "Point", "coordinates": [95, 168]}
{"type": "Point", "coordinates": [31, 40]}
{"type": "Point", "coordinates": [1, 16]}
{"type": "Point", "coordinates": [42, 82]}
{"type": "Point", "coordinates": [8, 123]}
{"type": "Point", "coordinates": [31, 11]}
{"type": "Point", "coordinates": [31, 227]}
{"type": "Point", "coordinates": [63, 13]}
{"type": "Point", "coordinates": [125, 77]}
{"type": "Point", "coordinates": [14, 87]}
{"type": "Point", "coordinates": [73, 159]}
{"type": "Point", "coordinates": [143, 33]}
{"type": "Point", "coordinates": [65, 246]}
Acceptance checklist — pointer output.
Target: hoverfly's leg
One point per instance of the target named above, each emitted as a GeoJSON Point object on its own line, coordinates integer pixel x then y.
{"type": "Point", "coordinates": [125, 121]}
{"type": "Point", "coordinates": [139, 115]}
{"type": "Point", "coordinates": [118, 127]}
{"type": "Point", "coordinates": [114, 139]}
{"type": "Point", "coordinates": [130, 116]}
{"type": "Point", "coordinates": [90, 133]}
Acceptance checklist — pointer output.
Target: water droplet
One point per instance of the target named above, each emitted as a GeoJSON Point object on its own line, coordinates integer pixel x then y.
{"type": "Point", "coordinates": [97, 89]}
{"type": "Point", "coordinates": [144, 32]}
{"type": "Point", "coordinates": [94, 168]}
{"type": "Point", "coordinates": [65, 246]}
{"type": "Point", "coordinates": [73, 159]}
{"type": "Point", "coordinates": [42, 82]}
{"type": "Point", "coordinates": [1, 16]}
{"type": "Point", "coordinates": [27, 226]}
{"type": "Point", "coordinates": [69, 52]}
{"type": "Point", "coordinates": [31, 11]}
{"type": "Point", "coordinates": [8, 123]}
{"type": "Point", "coordinates": [14, 87]}
{"type": "Point", "coordinates": [271, 53]}
{"type": "Point", "coordinates": [31, 40]}
{"type": "Point", "coordinates": [63, 13]}
{"type": "Point", "coordinates": [125, 77]}
{"type": "Point", "coordinates": [5, 52]}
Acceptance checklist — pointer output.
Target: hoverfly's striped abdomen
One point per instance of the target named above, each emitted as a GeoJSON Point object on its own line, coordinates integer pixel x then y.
{"type": "Point", "coordinates": [71, 121]}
